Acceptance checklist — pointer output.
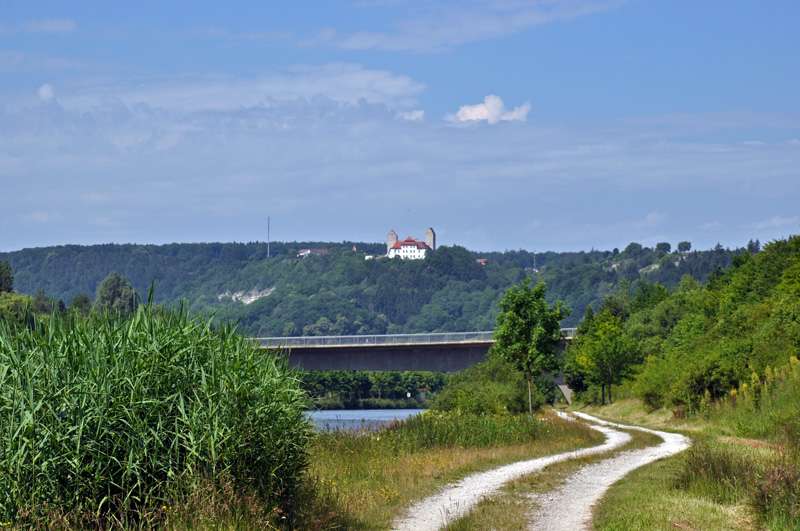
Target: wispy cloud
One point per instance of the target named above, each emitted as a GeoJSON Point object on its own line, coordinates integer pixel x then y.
{"type": "Point", "coordinates": [414, 116]}
{"type": "Point", "coordinates": [652, 219]}
{"type": "Point", "coordinates": [776, 221]}
{"type": "Point", "coordinates": [439, 26]}
{"type": "Point", "coordinates": [11, 60]}
{"type": "Point", "coordinates": [340, 82]}
{"type": "Point", "coordinates": [47, 92]}
{"type": "Point", "coordinates": [545, 186]}
{"type": "Point", "coordinates": [492, 110]}
{"type": "Point", "coordinates": [50, 25]}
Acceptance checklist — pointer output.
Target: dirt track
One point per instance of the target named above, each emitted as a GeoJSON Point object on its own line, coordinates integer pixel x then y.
{"type": "Point", "coordinates": [568, 508]}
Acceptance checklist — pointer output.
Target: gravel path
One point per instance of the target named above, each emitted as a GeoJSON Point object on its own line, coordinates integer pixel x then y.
{"type": "Point", "coordinates": [456, 500]}
{"type": "Point", "coordinates": [570, 506]}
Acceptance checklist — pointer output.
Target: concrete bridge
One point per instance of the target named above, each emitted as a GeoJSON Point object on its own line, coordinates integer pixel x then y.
{"type": "Point", "coordinates": [446, 352]}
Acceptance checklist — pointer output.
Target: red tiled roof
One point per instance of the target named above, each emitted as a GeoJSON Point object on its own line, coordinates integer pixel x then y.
{"type": "Point", "coordinates": [409, 242]}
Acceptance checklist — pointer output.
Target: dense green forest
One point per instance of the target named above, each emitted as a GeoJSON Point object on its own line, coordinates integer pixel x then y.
{"type": "Point", "coordinates": [696, 344]}
{"type": "Point", "coordinates": [342, 292]}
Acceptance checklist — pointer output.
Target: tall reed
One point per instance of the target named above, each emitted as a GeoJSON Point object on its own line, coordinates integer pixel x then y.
{"type": "Point", "coordinates": [115, 418]}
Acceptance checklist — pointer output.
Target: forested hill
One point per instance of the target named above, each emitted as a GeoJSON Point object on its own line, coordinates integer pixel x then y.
{"type": "Point", "coordinates": [343, 293]}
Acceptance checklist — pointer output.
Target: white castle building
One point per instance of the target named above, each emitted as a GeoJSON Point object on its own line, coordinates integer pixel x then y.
{"type": "Point", "coordinates": [410, 248]}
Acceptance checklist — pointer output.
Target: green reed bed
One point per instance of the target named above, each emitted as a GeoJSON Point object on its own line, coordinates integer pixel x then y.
{"type": "Point", "coordinates": [439, 429]}
{"type": "Point", "coordinates": [112, 421]}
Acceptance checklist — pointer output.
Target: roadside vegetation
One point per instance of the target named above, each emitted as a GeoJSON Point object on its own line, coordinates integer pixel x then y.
{"type": "Point", "coordinates": [720, 361]}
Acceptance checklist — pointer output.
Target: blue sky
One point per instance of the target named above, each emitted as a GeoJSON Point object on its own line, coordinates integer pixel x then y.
{"type": "Point", "coordinates": [504, 124]}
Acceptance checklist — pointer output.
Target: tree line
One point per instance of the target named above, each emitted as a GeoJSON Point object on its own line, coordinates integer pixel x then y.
{"type": "Point", "coordinates": [697, 343]}
{"type": "Point", "coordinates": [342, 293]}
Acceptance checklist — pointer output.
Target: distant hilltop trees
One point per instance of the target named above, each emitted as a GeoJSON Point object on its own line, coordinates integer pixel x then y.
{"type": "Point", "coordinates": [446, 290]}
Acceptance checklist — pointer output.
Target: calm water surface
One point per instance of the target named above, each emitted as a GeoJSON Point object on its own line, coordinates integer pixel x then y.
{"type": "Point", "coordinates": [358, 418]}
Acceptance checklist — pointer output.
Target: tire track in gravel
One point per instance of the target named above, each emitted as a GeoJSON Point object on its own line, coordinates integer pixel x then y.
{"type": "Point", "coordinates": [457, 499]}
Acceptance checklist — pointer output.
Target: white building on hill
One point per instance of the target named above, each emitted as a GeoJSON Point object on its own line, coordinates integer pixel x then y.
{"type": "Point", "coordinates": [410, 248]}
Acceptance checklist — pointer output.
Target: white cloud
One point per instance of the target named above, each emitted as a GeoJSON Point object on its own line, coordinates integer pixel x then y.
{"type": "Point", "coordinates": [46, 92]}
{"type": "Point", "coordinates": [414, 116]}
{"type": "Point", "coordinates": [50, 25]}
{"type": "Point", "coordinates": [492, 110]}
{"type": "Point", "coordinates": [40, 217]}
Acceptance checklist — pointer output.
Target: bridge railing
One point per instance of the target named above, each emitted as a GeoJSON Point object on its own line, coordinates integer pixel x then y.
{"type": "Point", "coordinates": [391, 339]}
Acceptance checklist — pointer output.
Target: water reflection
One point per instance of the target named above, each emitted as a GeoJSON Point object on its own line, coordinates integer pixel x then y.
{"type": "Point", "coordinates": [358, 419]}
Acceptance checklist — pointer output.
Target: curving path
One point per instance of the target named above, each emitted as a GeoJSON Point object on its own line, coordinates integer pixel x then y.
{"type": "Point", "coordinates": [568, 509]}
{"type": "Point", "coordinates": [570, 506]}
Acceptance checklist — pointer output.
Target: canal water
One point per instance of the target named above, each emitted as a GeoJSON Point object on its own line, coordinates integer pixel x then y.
{"type": "Point", "coordinates": [348, 419]}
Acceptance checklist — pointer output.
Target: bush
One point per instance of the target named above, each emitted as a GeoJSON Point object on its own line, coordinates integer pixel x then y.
{"type": "Point", "coordinates": [116, 417]}
{"type": "Point", "coordinates": [492, 386]}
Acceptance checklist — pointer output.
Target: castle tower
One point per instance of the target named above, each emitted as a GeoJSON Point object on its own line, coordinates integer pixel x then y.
{"type": "Point", "coordinates": [430, 239]}
{"type": "Point", "coordinates": [391, 239]}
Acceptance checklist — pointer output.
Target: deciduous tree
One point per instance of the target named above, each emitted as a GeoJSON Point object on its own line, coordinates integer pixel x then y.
{"type": "Point", "coordinates": [6, 277]}
{"type": "Point", "coordinates": [606, 353]}
{"type": "Point", "coordinates": [528, 331]}
{"type": "Point", "coordinates": [81, 303]}
{"type": "Point", "coordinates": [115, 294]}
{"type": "Point", "coordinates": [664, 247]}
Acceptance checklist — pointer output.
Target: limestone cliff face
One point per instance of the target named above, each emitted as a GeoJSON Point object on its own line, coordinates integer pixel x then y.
{"type": "Point", "coordinates": [246, 297]}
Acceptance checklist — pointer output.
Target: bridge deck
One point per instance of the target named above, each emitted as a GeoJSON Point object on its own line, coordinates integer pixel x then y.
{"type": "Point", "coordinates": [384, 340]}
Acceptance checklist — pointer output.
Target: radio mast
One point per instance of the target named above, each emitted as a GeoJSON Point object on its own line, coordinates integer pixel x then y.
{"type": "Point", "coordinates": [267, 236]}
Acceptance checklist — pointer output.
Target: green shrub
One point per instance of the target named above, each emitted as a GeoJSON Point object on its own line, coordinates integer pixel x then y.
{"type": "Point", "coordinates": [492, 386]}
{"type": "Point", "coordinates": [113, 417]}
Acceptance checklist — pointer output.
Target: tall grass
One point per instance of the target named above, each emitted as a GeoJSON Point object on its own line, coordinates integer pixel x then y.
{"type": "Point", "coordinates": [438, 429]}
{"type": "Point", "coordinates": [110, 420]}
{"type": "Point", "coordinates": [765, 471]}
{"type": "Point", "coordinates": [745, 465]}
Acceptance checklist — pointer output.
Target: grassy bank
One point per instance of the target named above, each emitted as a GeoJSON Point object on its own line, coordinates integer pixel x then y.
{"type": "Point", "coordinates": [743, 471]}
